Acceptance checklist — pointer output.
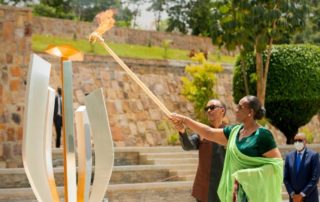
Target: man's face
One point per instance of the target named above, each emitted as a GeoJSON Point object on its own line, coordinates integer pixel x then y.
{"type": "Point", "coordinates": [215, 111]}
{"type": "Point", "coordinates": [300, 141]}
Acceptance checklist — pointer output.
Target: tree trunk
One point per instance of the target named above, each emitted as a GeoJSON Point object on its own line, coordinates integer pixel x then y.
{"type": "Point", "coordinates": [244, 74]}
{"type": "Point", "coordinates": [259, 72]}
{"type": "Point", "coordinates": [290, 136]}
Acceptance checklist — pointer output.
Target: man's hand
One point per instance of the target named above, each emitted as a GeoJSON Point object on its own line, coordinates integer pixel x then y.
{"type": "Point", "coordinates": [177, 118]}
{"type": "Point", "coordinates": [297, 198]}
{"type": "Point", "coordinates": [180, 127]}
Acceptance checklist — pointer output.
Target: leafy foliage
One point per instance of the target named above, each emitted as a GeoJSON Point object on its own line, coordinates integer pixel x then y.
{"type": "Point", "coordinates": [178, 16]}
{"type": "Point", "coordinates": [293, 90]}
{"type": "Point", "coordinates": [311, 33]}
{"type": "Point", "coordinates": [193, 15]}
{"type": "Point", "coordinates": [84, 10]}
{"type": "Point", "coordinates": [166, 44]}
{"type": "Point", "coordinates": [254, 26]}
{"type": "Point", "coordinates": [199, 82]}
{"type": "Point", "coordinates": [157, 6]}
{"type": "Point", "coordinates": [308, 133]}
{"type": "Point", "coordinates": [172, 134]}
{"type": "Point", "coordinates": [13, 2]}
{"type": "Point", "coordinates": [50, 11]}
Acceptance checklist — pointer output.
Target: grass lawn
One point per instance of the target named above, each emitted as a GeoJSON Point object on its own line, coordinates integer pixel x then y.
{"type": "Point", "coordinates": [41, 42]}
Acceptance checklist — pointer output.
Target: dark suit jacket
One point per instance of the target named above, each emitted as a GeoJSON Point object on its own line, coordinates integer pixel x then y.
{"type": "Point", "coordinates": [305, 180]}
{"type": "Point", "coordinates": [57, 121]}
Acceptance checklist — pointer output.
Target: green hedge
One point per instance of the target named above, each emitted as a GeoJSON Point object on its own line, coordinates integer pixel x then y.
{"type": "Point", "coordinates": [293, 86]}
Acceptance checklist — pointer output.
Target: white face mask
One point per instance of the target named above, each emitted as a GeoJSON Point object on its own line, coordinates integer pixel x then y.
{"type": "Point", "coordinates": [299, 146]}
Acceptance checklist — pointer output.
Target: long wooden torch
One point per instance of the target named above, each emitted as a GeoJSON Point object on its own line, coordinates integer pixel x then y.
{"type": "Point", "coordinates": [106, 22]}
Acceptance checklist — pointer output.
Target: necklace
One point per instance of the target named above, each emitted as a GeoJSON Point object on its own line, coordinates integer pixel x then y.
{"type": "Point", "coordinates": [246, 132]}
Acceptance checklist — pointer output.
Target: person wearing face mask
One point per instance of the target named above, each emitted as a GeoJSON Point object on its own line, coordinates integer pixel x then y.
{"type": "Point", "coordinates": [211, 155]}
{"type": "Point", "coordinates": [301, 172]}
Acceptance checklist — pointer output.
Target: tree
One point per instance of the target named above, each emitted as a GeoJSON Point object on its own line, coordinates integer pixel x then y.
{"type": "Point", "coordinates": [193, 15]}
{"type": "Point", "coordinates": [311, 33]}
{"type": "Point", "coordinates": [199, 82]}
{"type": "Point", "coordinates": [84, 10]}
{"type": "Point", "coordinates": [14, 2]}
{"type": "Point", "coordinates": [254, 25]}
{"type": "Point", "coordinates": [135, 8]}
{"type": "Point", "coordinates": [200, 17]}
{"type": "Point", "coordinates": [54, 8]}
{"type": "Point", "coordinates": [178, 16]}
{"type": "Point", "coordinates": [158, 6]}
{"type": "Point", "coordinates": [293, 88]}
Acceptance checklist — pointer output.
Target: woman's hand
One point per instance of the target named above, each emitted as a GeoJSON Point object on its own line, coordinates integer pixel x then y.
{"type": "Point", "coordinates": [177, 118]}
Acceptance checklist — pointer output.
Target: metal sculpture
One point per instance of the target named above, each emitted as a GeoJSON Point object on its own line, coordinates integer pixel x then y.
{"type": "Point", "coordinates": [36, 148]}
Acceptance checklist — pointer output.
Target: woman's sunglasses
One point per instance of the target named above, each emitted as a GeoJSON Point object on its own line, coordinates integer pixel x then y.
{"type": "Point", "coordinates": [298, 140]}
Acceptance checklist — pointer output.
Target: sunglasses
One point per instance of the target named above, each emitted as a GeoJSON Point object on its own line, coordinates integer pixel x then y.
{"type": "Point", "coordinates": [211, 107]}
{"type": "Point", "coordinates": [298, 140]}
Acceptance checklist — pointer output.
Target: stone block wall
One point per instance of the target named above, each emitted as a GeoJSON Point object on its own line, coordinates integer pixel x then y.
{"type": "Point", "coordinates": [134, 119]}
{"type": "Point", "coordinates": [15, 37]}
{"type": "Point", "coordinates": [81, 30]}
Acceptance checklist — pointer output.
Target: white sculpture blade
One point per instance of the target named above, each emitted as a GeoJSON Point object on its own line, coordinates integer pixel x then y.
{"type": "Point", "coordinates": [84, 154]}
{"type": "Point", "coordinates": [69, 144]}
{"type": "Point", "coordinates": [37, 120]}
{"type": "Point", "coordinates": [103, 144]}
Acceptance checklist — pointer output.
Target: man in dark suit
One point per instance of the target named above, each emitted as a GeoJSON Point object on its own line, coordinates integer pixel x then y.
{"type": "Point", "coordinates": [301, 172]}
{"type": "Point", "coordinates": [57, 116]}
{"type": "Point", "coordinates": [211, 155]}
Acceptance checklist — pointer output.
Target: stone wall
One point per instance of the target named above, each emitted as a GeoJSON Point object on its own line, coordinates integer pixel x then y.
{"type": "Point", "coordinates": [81, 30]}
{"type": "Point", "coordinates": [134, 119]}
{"type": "Point", "coordinates": [15, 37]}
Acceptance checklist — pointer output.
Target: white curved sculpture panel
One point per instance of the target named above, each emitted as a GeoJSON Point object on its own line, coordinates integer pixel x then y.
{"type": "Point", "coordinates": [84, 154]}
{"type": "Point", "coordinates": [69, 143]}
{"type": "Point", "coordinates": [103, 144]}
{"type": "Point", "coordinates": [38, 117]}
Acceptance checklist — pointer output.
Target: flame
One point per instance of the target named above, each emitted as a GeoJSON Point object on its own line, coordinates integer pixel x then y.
{"type": "Point", "coordinates": [105, 21]}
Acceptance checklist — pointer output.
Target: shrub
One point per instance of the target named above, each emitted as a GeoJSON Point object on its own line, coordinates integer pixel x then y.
{"type": "Point", "coordinates": [293, 86]}
{"type": "Point", "coordinates": [199, 82]}
{"type": "Point", "coordinates": [166, 44]}
{"type": "Point", "coordinates": [49, 11]}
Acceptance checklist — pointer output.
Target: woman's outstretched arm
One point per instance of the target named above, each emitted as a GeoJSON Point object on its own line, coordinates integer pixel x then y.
{"type": "Point", "coordinates": [212, 134]}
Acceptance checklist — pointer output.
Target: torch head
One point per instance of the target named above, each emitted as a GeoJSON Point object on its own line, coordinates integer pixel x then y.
{"type": "Point", "coordinates": [105, 21]}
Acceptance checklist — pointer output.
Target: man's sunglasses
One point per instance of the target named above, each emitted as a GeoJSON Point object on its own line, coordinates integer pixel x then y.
{"type": "Point", "coordinates": [211, 107]}
{"type": "Point", "coordinates": [298, 140]}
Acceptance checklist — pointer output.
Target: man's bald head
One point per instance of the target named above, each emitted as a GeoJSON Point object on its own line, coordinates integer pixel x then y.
{"type": "Point", "coordinates": [300, 136]}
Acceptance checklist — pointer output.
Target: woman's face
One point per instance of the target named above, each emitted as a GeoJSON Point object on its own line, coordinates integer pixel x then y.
{"type": "Point", "coordinates": [243, 111]}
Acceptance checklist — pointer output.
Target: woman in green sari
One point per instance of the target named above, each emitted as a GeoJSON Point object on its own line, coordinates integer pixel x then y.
{"type": "Point", "coordinates": [253, 167]}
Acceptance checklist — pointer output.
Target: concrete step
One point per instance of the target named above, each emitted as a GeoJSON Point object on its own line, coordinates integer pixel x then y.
{"type": "Point", "coordinates": [183, 154]}
{"type": "Point", "coordinates": [133, 155]}
{"type": "Point", "coordinates": [183, 172]}
{"type": "Point", "coordinates": [16, 177]}
{"type": "Point", "coordinates": [139, 192]}
{"type": "Point", "coordinates": [171, 161]}
{"type": "Point", "coordinates": [120, 157]}
{"type": "Point", "coordinates": [143, 155]}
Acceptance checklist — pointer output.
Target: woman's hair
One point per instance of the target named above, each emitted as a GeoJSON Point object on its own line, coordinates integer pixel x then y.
{"type": "Point", "coordinates": [255, 105]}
